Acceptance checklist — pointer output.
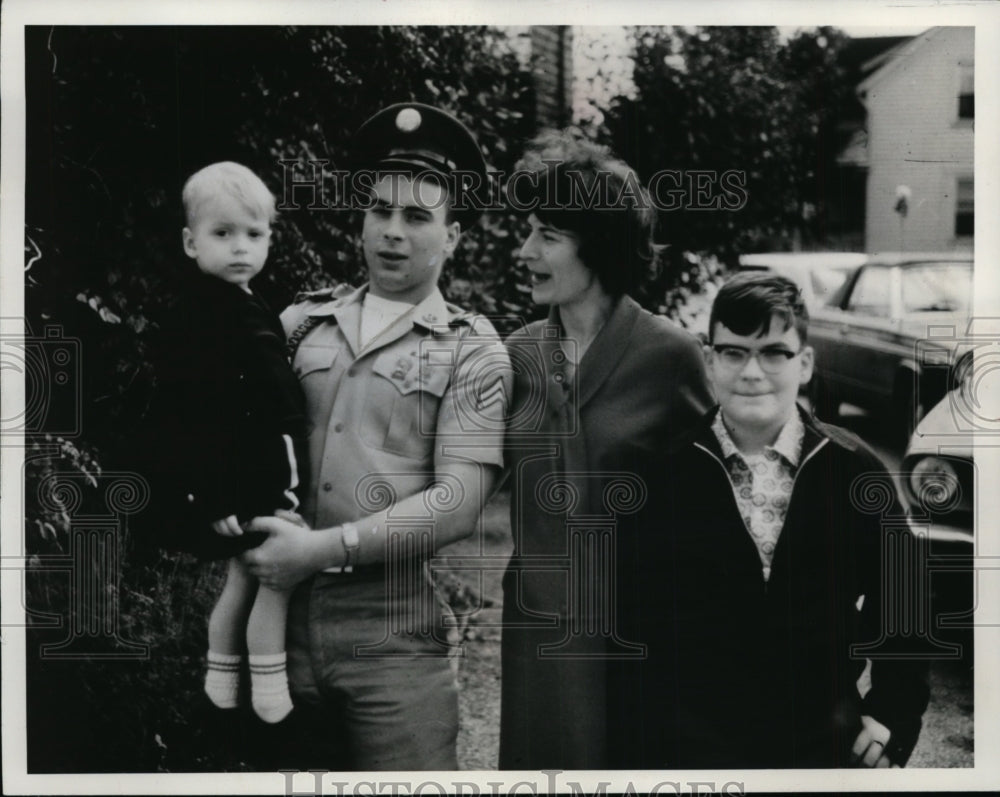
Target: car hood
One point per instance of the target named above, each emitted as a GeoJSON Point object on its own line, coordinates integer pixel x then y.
{"type": "Point", "coordinates": [943, 430]}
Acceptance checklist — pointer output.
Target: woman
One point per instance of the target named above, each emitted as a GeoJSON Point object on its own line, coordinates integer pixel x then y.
{"type": "Point", "coordinates": [601, 387]}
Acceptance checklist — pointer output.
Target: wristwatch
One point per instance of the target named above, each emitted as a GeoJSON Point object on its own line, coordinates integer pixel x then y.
{"type": "Point", "coordinates": [349, 536]}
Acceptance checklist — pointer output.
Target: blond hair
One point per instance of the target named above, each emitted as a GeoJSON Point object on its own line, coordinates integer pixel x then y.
{"type": "Point", "coordinates": [232, 179]}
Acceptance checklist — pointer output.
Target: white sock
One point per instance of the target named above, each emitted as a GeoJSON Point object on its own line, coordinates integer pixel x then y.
{"type": "Point", "coordinates": [222, 680]}
{"type": "Point", "coordinates": [269, 686]}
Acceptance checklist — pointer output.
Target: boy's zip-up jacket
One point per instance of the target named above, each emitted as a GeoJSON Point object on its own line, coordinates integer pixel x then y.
{"type": "Point", "coordinates": [747, 672]}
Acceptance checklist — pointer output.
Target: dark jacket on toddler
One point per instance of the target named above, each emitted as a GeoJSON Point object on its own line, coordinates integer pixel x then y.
{"type": "Point", "coordinates": [227, 421]}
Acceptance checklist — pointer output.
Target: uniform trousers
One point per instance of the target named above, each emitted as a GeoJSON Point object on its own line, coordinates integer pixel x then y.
{"type": "Point", "coordinates": [368, 663]}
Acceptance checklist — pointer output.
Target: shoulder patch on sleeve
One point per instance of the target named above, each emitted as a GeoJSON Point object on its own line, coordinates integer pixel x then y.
{"type": "Point", "coordinates": [478, 325]}
{"type": "Point", "coordinates": [458, 315]}
{"type": "Point", "coordinates": [325, 294]}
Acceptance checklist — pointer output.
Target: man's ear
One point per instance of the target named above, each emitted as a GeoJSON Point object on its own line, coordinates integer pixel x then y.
{"type": "Point", "coordinates": [454, 232]}
{"type": "Point", "coordinates": [188, 237]}
{"type": "Point", "coordinates": [708, 353]}
{"type": "Point", "coordinates": [807, 359]}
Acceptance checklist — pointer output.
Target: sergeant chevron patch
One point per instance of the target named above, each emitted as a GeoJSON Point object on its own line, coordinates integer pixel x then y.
{"type": "Point", "coordinates": [494, 394]}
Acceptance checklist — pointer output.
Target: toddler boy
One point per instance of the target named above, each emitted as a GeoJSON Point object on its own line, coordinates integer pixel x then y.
{"type": "Point", "coordinates": [231, 417]}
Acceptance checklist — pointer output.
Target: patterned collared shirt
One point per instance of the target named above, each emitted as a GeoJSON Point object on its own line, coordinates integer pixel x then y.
{"type": "Point", "coordinates": [762, 483]}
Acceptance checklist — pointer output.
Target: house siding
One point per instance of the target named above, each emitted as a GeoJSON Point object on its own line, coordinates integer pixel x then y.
{"type": "Point", "coordinates": [916, 139]}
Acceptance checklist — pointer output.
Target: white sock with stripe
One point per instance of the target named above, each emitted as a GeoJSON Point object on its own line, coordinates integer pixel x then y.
{"type": "Point", "coordinates": [222, 680]}
{"type": "Point", "coordinates": [269, 686]}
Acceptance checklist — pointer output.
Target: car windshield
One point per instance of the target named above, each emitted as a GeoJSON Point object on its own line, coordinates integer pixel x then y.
{"type": "Point", "coordinates": [941, 287]}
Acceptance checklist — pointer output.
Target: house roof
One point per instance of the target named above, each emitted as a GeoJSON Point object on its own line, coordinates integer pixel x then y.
{"type": "Point", "coordinates": [864, 55]}
{"type": "Point", "coordinates": [855, 152]}
{"type": "Point", "coordinates": [890, 61]}
{"type": "Point", "coordinates": [859, 58]}
{"type": "Point", "coordinates": [867, 61]}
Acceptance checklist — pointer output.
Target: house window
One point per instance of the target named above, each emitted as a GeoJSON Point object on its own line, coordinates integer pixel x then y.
{"type": "Point", "coordinates": [967, 93]}
{"type": "Point", "coordinates": [965, 207]}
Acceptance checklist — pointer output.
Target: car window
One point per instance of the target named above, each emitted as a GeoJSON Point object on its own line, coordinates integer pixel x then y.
{"type": "Point", "coordinates": [871, 294]}
{"type": "Point", "coordinates": [941, 287]}
{"type": "Point", "coordinates": [827, 280]}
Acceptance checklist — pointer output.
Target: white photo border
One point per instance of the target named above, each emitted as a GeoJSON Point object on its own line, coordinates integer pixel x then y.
{"type": "Point", "coordinates": [17, 14]}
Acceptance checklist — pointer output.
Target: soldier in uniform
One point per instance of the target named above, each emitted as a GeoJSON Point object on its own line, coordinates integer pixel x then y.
{"type": "Point", "coordinates": [405, 397]}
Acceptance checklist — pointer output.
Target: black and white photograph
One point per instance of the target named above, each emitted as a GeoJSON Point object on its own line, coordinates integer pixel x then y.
{"type": "Point", "coordinates": [422, 398]}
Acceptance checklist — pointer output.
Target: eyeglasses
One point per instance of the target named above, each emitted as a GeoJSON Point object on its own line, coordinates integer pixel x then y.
{"type": "Point", "coordinates": [771, 360]}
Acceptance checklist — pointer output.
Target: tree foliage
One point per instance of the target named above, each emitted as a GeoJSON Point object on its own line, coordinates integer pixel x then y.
{"type": "Point", "coordinates": [736, 98]}
{"type": "Point", "coordinates": [118, 118]}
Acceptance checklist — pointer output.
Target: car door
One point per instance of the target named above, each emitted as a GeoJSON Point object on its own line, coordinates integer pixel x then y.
{"type": "Point", "coordinates": [857, 345]}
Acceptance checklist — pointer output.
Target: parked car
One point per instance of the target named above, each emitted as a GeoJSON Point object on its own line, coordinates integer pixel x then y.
{"type": "Point", "coordinates": [884, 340]}
{"type": "Point", "coordinates": [939, 486]}
{"type": "Point", "coordinates": [939, 475]}
{"type": "Point", "coordinates": [818, 274]}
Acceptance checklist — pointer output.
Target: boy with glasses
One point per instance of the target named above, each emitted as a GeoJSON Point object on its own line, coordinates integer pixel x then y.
{"type": "Point", "coordinates": [778, 553]}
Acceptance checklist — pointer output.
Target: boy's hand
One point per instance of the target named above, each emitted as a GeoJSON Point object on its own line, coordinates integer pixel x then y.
{"type": "Point", "coordinates": [227, 527]}
{"type": "Point", "coordinates": [288, 556]}
{"type": "Point", "coordinates": [869, 747]}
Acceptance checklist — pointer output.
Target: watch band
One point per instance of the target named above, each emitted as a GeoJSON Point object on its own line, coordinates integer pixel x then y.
{"type": "Point", "coordinates": [349, 535]}
{"type": "Point", "coordinates": [351, 539]}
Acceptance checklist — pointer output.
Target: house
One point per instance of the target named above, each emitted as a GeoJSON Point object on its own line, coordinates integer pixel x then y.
{"type": "Point", "coordinates": [915, 148]}
{"type": "Point", "coordinates": [548, 51]}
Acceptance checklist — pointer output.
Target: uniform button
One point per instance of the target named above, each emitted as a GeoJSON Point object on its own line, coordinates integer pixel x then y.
{"type": "Point", "coordinates": [327, 487]}
{"type": "Point", "coordinates": [430, 318]}
{"type": "Point", "coordinates": [339, 427]}
{"type": "Point", "coordinates": [352, 372]}
{"type": "Point", "coordinates": [242, 377]}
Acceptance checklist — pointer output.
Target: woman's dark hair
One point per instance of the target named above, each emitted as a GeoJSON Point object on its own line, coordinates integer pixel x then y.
{"type": "Point", "coordinates": [576, 185]}
{"type": "Point", "coordinates": [746, 304]}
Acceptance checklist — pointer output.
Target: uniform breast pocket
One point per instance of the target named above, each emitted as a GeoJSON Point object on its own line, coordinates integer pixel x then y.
{"type": "Point", "coordinates": [310, 359]}
{"type": "Point", "coordinates": [314, 367]}
{"type": "Point", "coordinates": [406, 394]}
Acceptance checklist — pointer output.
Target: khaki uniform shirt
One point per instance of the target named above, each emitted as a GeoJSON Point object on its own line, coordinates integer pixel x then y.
{"type": "Point", "coordinates": [431, 388]}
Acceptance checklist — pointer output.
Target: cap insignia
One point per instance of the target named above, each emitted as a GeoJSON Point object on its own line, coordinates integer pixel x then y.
{"type": "Point", "coordinates": [408, 120]}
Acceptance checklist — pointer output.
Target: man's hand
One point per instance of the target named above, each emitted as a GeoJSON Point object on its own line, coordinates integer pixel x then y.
{"type": "Point", "coordinates": [291, 517]}
{"type": "Point", "coordinates": [869, 747]}
{"type": "Point", "coordinates": [227, 527]}
{"type": "Point", "coordinates": [288, 556]}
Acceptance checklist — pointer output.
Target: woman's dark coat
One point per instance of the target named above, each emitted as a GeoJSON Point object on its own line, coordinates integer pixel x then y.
{"type": "Point", "coordinates": [576, 449]}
